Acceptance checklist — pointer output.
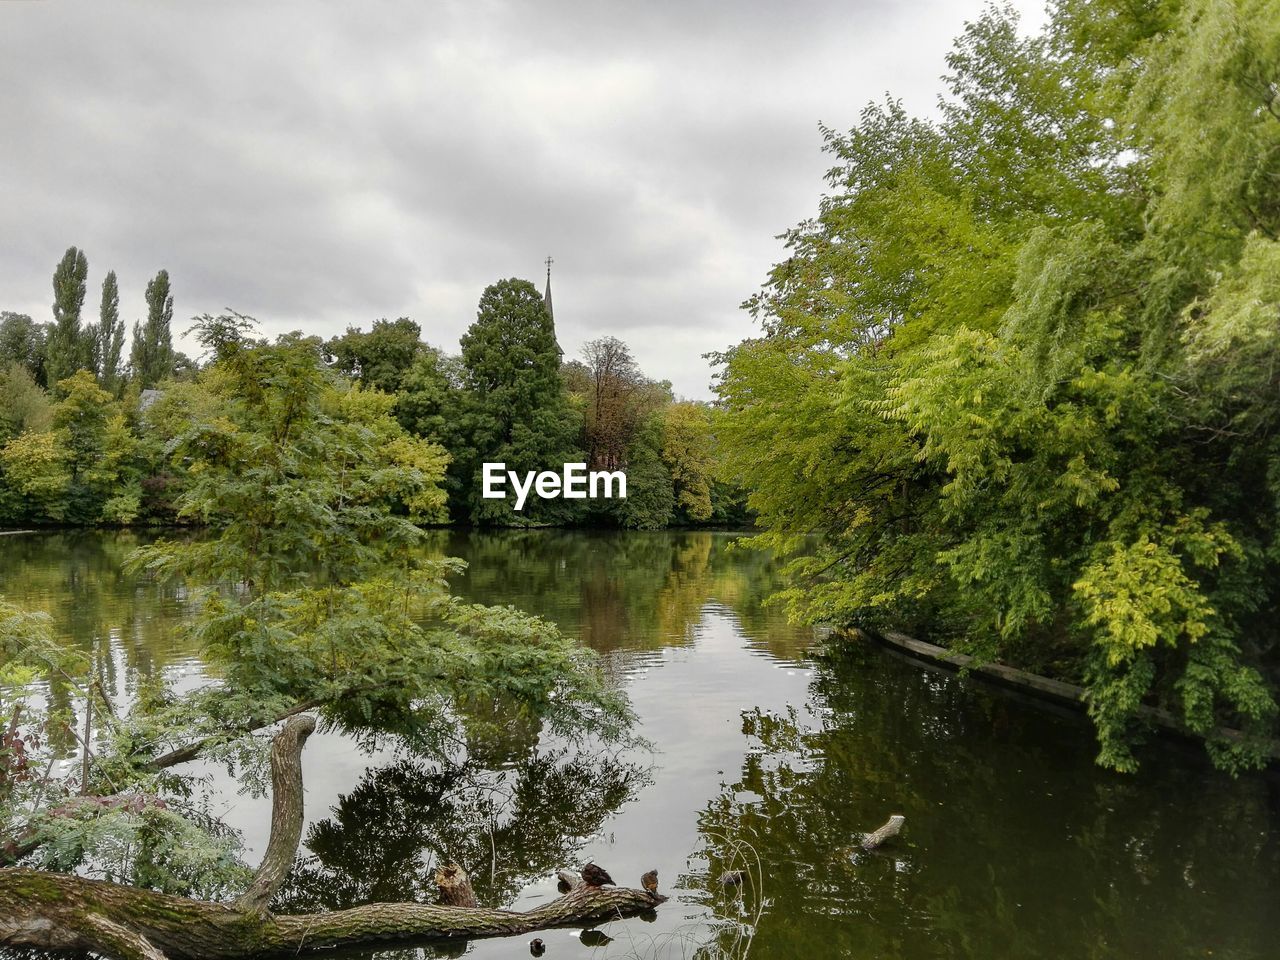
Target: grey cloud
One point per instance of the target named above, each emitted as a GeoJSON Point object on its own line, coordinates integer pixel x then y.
{"type": "Point", "coordinates": [324, 164]}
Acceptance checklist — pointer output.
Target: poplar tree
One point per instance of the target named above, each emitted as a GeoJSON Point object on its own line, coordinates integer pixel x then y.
{"type": "Point", "coordinates": [67, 349]}
{"type": "Point", "coordinates": [110, 334]}
{"type": "Point", "coordinates": [151, 357]}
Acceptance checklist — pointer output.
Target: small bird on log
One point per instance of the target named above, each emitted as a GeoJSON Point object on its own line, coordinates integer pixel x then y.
{"type": "Point", "coordinates": [537, 947]}
{"type": "Point", "coordinates": [595, 876]}
{"type": "Point", "coordinates": [650, 881]}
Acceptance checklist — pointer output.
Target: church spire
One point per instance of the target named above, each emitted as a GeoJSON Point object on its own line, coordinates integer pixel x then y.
{"type": "Point", "coordinates": [546, 297]}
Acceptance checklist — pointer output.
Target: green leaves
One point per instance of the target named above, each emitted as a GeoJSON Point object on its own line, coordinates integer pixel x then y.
{"type": "Point", "coordinates": [312, 589]}
{"type": "Point", "coordinates": [514, 408]}
{"type": "Point", "coordinates": [1019, 374]}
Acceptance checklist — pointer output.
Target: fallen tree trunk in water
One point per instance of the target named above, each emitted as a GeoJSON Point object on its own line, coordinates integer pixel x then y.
{"type": "Point", "coordinates": [56, 911]}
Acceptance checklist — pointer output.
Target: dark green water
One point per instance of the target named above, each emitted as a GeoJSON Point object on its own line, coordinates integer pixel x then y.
{"type": "Point", "coordinates": [766, 747]}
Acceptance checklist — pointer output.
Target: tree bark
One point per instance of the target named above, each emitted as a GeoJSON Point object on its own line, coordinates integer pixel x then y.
{"type": "Point", "coordinates": [286, 813]}
{"type": "Point", "coordinates": [455, 887]}
{"type": "Point", "coordinates": [60, 911]}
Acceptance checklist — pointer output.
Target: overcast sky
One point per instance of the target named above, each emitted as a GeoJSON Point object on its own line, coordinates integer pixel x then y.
{"type": "Point", "coordinates": [321, 164]}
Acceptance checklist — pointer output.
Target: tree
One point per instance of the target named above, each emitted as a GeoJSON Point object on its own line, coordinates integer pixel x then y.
{"type": "Point", "coordinates": [151, 358]}
{"type": "Point", "coordinates": [1018, 374]}
{"type": "Point", "coordinates": [23, 405]}
{"type": "Point", "coordinates": [380, 358]}
{"type": "Point", "coordinates": [315, 597]}
{"type": "Point", "coordinates": [68, 349]}
{"type": "Point", "coordinates": [110, 336]}
{"type": "Point", "coordinates": [515, 409]}
{"type": "Point", "coordinates": [427, 396]}
{"type": "Point", "coordinates": [614, 383]}
{"type": "Point", "coordinates": [36, 478]}
{"type": "Point", "coordinates": [97, 448]}
{"type": "Point", "coordinates": [650, 502]}
{"type": "Point", "coordinates": [22, 341]}
{"type": "Point", "coordinates": [688, 452]}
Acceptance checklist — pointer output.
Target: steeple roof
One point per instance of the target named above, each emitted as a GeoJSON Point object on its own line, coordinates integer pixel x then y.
{"type": "Point", "coordinates": [546, 297]}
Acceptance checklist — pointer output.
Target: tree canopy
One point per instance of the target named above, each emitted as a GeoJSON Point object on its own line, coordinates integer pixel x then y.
{"type": "Point", "coordinates": [313, 594]}
{"type": "Point", "coordinates": [1018, 372]}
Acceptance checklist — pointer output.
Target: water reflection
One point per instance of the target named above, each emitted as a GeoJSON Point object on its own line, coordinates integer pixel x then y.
{"type": "Point", "coordinates": [1016, 845]}
{"type": "Point", "coordinates": [506, 827]}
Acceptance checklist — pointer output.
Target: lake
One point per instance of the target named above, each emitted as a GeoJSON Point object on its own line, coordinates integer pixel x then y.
{"type": "Point", "coordinates": [771, 751]}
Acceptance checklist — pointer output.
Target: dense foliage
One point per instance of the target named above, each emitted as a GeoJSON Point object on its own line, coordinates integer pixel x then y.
{"type": "Point", "coordinates": [511, 397]}
{"type": "Point", "coordinates": [508, 397]}
{"type": "Point", "coordinates": [1020, 371]}
{"type": "Point", "coordinates": [311, 590]}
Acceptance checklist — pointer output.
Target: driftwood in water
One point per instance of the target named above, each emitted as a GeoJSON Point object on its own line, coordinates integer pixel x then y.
{"type": "Point", "coordinates": [455, 886]}
{"type": "Point", "coordinates": [55, 911]}
{"type": "Point", "coordinates": [891, 828]}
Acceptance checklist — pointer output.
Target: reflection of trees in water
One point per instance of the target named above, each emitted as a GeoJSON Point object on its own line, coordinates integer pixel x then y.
{"type": "Point", "coordinates": [128, 626]}
{"type": "Point", "coordinates": [616, 590]}
{"type": "Point", "coordinates": [1015, 844]}
{"type": "Point", "coordinates": [505, 826]}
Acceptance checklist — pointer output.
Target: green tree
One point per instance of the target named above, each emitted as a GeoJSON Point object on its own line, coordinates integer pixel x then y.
{"type": "Point", "coordinates": [380, 358]}
{"type": "Point", "coordinates": [650, 503]}
{"type": "Point", "coordinates": [515, 409]}
{"type": "Point", "coordinates": [23, 405]}
{"type": "Point", "coordinates": [22, 341]}
{"type": "Point", "coordinates": [36, 477]}
{"type": "Point", "coordinates": [688, 451]}
{"type": "Point", "coordinates": [110, 336]}
{"type": "Point", "coordinates": [151, 358]}
{"type": "Point", "coordinates": [1018, 373]}
{"type": "Point", "coordinates": [68, 349]}
{"type": "Point", "coordinates": [97, 448]}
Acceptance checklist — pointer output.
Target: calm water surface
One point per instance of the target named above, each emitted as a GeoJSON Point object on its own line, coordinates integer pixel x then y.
{"type": "Point", "coordinates": [769, 752]}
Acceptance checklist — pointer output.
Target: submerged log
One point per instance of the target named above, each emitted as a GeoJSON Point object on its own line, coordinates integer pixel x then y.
{"type": "Point", "coordinates": [891, 828]}
{"type": "Point", "coordinates": [55, 911]}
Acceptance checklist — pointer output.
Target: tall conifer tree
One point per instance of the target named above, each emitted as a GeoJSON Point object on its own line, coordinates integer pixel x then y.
{"type": "Point", "coordinates": [518, 412]}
